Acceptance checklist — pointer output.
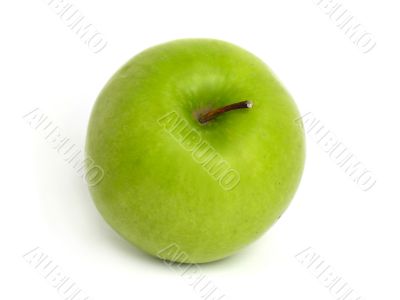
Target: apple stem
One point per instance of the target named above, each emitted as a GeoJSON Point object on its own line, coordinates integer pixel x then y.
{"type": "Point", "coordinates": [212, 114]}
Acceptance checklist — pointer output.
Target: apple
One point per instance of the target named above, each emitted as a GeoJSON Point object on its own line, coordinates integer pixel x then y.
{"type": "Point", "coordinates": [200, 149]}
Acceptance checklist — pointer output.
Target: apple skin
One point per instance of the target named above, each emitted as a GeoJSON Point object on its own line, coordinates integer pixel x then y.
{"type": "Point", "coordinates": [154, 194]}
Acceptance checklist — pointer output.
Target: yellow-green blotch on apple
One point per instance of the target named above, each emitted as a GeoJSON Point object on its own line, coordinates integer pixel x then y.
{"type": "Point", "coordinates": [214, 194]}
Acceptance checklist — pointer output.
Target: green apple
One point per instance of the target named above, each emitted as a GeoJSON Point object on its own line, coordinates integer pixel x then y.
{"type": "Point", "coordinates": [200, 149]}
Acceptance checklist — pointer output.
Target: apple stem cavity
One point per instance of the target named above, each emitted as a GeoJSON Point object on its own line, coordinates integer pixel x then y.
{"type": "Point", "coordinates": [213, 113]}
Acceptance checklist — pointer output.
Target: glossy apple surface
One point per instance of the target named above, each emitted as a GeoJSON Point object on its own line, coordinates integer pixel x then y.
{"type": "Point", "coordinates": [161, 187]}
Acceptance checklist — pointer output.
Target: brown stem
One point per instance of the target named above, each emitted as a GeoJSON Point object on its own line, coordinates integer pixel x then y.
{"type": "Point", "coordinates": [212, 114]}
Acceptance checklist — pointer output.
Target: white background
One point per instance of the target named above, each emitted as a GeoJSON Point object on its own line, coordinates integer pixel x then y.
{"type": "Point", "coordinates": [44, 64]}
